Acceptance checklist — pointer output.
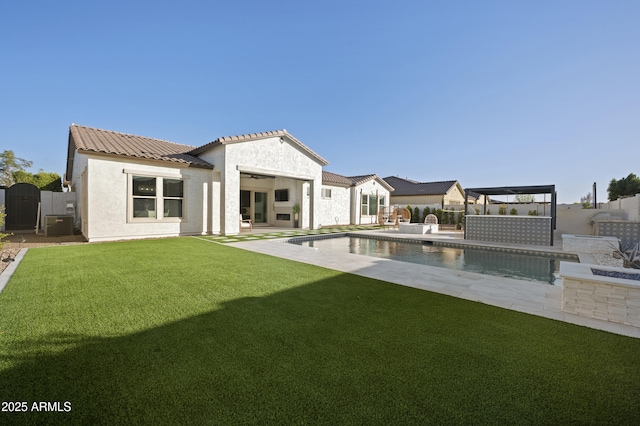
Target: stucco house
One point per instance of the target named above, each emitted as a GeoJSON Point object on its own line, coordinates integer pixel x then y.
{"type": "Point", "coordinates": [413, 193]}
{"type": "Point", "coordinates": [352, 200]}
{"type": "Point", "coordinates": [132, 186]}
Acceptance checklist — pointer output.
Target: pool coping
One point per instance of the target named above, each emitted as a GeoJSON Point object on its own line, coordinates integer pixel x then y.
{"type": "Point", "coordinates": [536, 251]}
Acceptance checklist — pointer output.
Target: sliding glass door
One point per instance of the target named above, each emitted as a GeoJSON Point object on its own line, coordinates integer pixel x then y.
{"type": "Point", "coordinates": [260, 207]}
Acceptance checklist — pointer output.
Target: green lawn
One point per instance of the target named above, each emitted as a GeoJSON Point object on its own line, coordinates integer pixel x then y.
{"type": "Point", "coordinates": [188, 331]}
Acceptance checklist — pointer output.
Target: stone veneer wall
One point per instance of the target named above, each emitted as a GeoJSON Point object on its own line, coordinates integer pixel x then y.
{"type": "Point", "coordinates": [532, 230]}
{"type": "Point", "coordinates": [606, 301]}
{"type": "Point", "coordinates": [627, 231]}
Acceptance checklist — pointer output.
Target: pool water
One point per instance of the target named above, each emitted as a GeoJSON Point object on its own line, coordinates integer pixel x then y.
{"type": "Point", "coordinates": [539, 268]}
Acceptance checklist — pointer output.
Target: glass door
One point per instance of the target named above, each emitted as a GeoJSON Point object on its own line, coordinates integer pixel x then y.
{"type": "Point", "coordinates": [260, 207]}
{"type": "Point", "coordinates": [245, 204]}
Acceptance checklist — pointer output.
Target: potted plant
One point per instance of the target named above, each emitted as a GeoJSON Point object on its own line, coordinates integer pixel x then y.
{"type": "Point", "coordinates": [296, 213]}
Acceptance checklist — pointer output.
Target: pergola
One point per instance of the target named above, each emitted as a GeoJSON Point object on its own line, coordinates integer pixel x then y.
{"type": "Point", "coordinates": [515, 190]}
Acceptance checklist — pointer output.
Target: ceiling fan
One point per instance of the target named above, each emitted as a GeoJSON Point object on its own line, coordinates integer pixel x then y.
{"type": "Point", "coordinates": [257, 176]}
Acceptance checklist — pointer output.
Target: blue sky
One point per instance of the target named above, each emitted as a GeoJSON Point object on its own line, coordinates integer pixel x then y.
{"type": "Point", "coordinates": [490, 93]}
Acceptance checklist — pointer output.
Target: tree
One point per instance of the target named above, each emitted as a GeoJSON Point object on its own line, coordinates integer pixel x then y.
{"type": "Point", "coordinates": [586, 201]}
{"type": "Point", "coordinates": [624, 187]}
{"type": "Point", "coordinates": [525, 198]}
{"type": "Point", "coordinates": [460, 218]}
{"type": "Point", "coordinates": [9, 164]}
{"type": "Point", "coordinates": [44, 180]}
{"type": "Point", "coordinates": [425, 212]}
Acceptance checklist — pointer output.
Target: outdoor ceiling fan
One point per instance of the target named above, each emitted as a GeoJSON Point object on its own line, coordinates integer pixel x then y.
{"type": "Point", "coordinates": [257, 176]}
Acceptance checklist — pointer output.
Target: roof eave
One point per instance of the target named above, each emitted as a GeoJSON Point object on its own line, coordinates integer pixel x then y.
{"type": "Point", "coordinates": [149, 160]}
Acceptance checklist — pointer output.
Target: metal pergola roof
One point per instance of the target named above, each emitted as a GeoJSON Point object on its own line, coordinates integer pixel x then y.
{"type": "Point", "coordinates": [508, 190]}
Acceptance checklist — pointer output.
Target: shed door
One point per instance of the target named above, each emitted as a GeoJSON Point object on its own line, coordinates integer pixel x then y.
{"type": "Point", "coordinates": [22, 206]}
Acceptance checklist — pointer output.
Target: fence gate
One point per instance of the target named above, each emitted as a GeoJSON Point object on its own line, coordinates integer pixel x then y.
{"type": "Point", "coordinates": [22, 206]}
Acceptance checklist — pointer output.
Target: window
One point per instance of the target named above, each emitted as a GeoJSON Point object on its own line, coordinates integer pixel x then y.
{"type": "Point", "coordinates": [326, 193]}
{"type": "Point", "coordinates": [373, 209]}
{"type": "Point", "coordinates": [144, 196]}
{"type": "Point", "coordinates": [282, 195]}
{"type": "Point", "coordinates": [283, 216]}
{"type": "Point", "coordinates": [370, 206]}
{"type": "Point", "coordinates": [149, 194]}
{"type": "Point", "coordinates": [173, 195]}
{"type": "Point", "coordinates": [365, 205]}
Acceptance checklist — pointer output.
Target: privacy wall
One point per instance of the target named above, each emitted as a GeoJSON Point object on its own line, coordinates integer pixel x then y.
{"type": "Point", "coordinates": [532, 230]}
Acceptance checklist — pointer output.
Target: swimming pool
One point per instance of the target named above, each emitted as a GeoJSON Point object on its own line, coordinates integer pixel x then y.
{"type": "Point", "coordinates": [536, 267]}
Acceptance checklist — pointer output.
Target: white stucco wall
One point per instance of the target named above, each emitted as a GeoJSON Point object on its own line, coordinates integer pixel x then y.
{"type": "Point", "coordinates": [79, 167]}
{"type": "Point", "coordinates": [371, 187]}
{"type": "Point", "coordinates": [337, 209]}
{"type": "Point", "coordinates": [272, 157]}
{"type": "Point", "coordinates": [108, 197]}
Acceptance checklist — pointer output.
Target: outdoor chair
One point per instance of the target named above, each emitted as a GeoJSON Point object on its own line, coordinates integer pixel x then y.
{"type": "Point", "coordinates": [245, 223]}
{"type": "Point", "coordinates": [431, 219]}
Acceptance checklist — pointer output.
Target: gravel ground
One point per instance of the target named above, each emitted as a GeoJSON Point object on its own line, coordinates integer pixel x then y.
{"type": "Point", "coordinates": [607, 260]}
{"type": "Point", "coordinates": [7, 253]}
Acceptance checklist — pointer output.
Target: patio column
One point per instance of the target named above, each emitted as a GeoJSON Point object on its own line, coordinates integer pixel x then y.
{"type": "Point", "coordinates": [231, 202]}
{"type": "Point", "coordinates": [312, 204]}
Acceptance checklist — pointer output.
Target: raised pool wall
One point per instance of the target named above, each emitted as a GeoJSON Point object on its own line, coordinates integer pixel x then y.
{"type": "Point", "coordinates": [594, 296]}
{"type": "Point", "coordinates": [418, 228]}
{"type": "Point", "coordinates": [531, 230]}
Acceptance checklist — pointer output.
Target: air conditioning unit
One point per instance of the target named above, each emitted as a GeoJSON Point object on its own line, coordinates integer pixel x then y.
{"type": "Point", "coordinates": [58, 225]}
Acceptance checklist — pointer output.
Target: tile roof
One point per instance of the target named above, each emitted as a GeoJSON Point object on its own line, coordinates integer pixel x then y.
{"type": "Point", "coordinates": [92, 140]}
{"type": "Point", "coordinates": [357, 180]}
{"type": "Point", "coordinates": [257, 136]}
{"type": "Point", "coordinates": [412, 187]}
{"type": "Point", "coordinates": [336, 179]}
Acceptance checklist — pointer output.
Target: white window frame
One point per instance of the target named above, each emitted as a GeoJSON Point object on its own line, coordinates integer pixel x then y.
{"type": "Point", "coordinates": [159, 197]}
{"type": "Point", "coordinates": [326, 193]}
{"type": "Point", "coordinates": [364, 205]}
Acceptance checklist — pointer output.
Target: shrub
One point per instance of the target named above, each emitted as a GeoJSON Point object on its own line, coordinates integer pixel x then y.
{"type": "Point", "coordinates": [513, 212]}
{"type": "Point", "coordinates": [415, 217]}
{"type": "Point", "coordinates": [439, 215]}
{"type": "Point", "coordinates": [2, 216]}
{"type": "Point", "coordinates": [460, 219]}
{"type": "Point", "coordinates": [533, 212]}
{"type": "Point", "coordinates": [502, 209]}
{"type": "Point", "coordinates": [425, 212]}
